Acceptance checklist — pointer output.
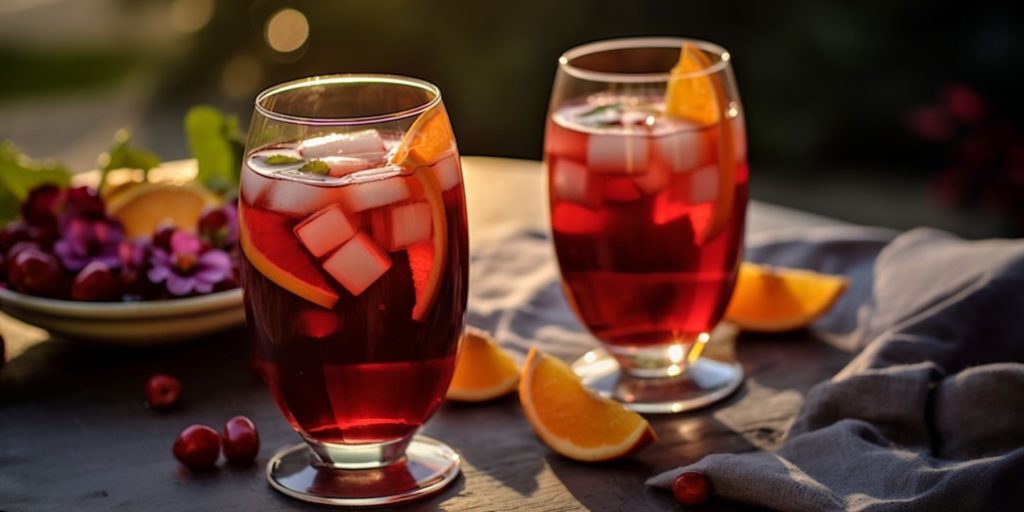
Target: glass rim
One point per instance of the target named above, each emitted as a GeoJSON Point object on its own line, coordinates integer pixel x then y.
{"type": "Point", "coordinates": [346, 78]}
{"type": "Point", "coordinates": [565, 60]}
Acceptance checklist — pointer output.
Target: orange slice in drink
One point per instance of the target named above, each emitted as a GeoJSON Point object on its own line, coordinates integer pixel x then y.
{"type": "Point", "coordinates": [141, 207]}
{"type": "Point", "coordinates": [483, 371]}
{"type": "Point", "coordinates": [270, 246]}
{"type": "Point", "coordinates": [427, 258]}
{"type": "Point", "coordinates": [700, 98]}
{"type": "Point", "coordinates": [775, 299]}
{"type": "Point", "coordinates": [429, 138]}
{"type": "Point", "coordinates": [571, 420]}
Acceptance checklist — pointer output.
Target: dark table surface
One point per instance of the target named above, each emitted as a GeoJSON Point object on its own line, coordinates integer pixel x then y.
{"type": "Point", "coordinates": [75, 433]}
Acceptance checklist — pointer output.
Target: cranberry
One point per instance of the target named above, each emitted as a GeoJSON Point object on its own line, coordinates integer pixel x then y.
{"type": "Point", "coordinates": [162, 391]}
{"type": "Point", "coordinates": [691, 488]}
{"type": "Point", "coordinates": [35, 272]}
{"type": "Point", "coordinates": [241, 440]}
{"type": "Point", "coordinates": [197, 447]}
{"type": "Point", "coordinates": [95, 283]}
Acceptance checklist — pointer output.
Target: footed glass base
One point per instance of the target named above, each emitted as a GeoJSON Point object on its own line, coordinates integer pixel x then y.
{"type": "Point", "coordinates": [428, 466]}
{"type": "Point", "coordinates": [666, 379]}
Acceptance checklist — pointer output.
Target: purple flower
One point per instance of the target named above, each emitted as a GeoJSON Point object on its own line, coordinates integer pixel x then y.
{"type": "Point", "coordinates": [187, 267]}
{"type": "Point", "coordinates": [85, 241]}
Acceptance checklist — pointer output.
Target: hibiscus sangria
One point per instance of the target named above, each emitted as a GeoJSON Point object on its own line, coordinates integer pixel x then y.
{"type": "Point", "coordinates": [353, 233]}
{"type": "Point", "coordinates": [646, 160]}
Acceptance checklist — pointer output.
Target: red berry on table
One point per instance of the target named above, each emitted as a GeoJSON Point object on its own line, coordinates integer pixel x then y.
{"type": "Point", "coordinates": [162, 391]}
{"type": "Point", "coordinates": [241, 440]}
{"type": "Point", "coordinates": [35, 272]}
{"type": "Point", "coordinates": [197, 447]}
{"type": "Point", "coordinates": [691, 488]}
{"type": "Point", "coordinates": [95, 282]}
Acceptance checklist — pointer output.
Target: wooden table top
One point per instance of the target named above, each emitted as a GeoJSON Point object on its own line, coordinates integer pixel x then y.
{"type": "Point", "coordinates": [75, 433]}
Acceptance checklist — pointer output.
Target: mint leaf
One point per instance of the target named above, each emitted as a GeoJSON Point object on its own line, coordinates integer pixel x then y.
{"type": "Point", "coordinates": [122, 155]}
{"type": "Point", "coordinates": [216, 143]}
{"type": "Point", "coordinates": [316, 167]}
{"type": "Point", "coordinates": [282, 160]}
{"type": "Point", "coordinates": [19, 174]}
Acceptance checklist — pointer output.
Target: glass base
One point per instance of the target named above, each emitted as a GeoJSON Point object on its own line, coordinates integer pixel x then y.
{"type": "Point", "coordinates": [655, 384]}
{"type": "Point", "coordinates": [428, 466]}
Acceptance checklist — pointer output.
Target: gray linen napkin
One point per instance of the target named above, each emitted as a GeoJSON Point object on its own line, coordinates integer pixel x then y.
{"type": "Point", "coordinates": [930, 414]}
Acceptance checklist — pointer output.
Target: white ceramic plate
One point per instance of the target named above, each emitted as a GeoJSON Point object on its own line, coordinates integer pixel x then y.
{"type": "Point", "coordinates": [158, 322]}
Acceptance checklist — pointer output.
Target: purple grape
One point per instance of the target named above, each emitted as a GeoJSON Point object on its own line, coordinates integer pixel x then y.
{"type": "Point", "coordinates": [13, 233]}
{"type": "Point", "coordinates": [40, 207]}
{"type": "Point", "coordinates": [95, 283]}
{"type": "Point", "coordinates": [83, 202]}
{"type": "Point", "coordinates": [35, 272]}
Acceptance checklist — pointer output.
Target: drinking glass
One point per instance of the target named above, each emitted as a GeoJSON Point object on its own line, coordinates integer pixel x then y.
{"type": "Point", "coordinates": [647, 213]}
{"type": "Point", "coordinates": [353, 230]}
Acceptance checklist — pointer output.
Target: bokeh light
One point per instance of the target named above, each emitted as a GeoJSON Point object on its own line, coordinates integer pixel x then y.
{"type": "Point", "coordinates": [287, 30]}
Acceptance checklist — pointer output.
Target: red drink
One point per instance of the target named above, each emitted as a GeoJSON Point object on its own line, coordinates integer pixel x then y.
{"type": "Point", "coordinates": [647, 217]}
{"type": "Point", "coordinates": [355, 276]}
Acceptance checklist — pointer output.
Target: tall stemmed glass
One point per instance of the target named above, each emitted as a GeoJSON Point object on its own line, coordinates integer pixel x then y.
{"type": "Point", "coordinates": [353, 229]}
{"type": "Point", "coordinates": [647, 174]}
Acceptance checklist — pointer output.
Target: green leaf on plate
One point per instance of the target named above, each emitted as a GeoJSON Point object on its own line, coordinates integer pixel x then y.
{"type": "Point", "coordinates": [216, 143]}
{"type": "Point", "coordinates": [122, 155]}
{"type": "Point", "coordinates": [19, 174]}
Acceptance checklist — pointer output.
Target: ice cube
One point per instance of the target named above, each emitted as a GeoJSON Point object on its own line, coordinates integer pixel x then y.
{"type": "Point", "coordinates": [682, 151]}
{"type": "Point", "coordinates": [326, 230]}
{"type": "Point", "coordinates": [357, 264]}
{"type": "Point", "coordinates": [572, 182]}
{"type": "Point", "coordinates": [346, 144]}
{"type": "Point", "coordinates": [617, 153]}
{"type": "Point", "coordinates": [253, 186]}
{"type": "Point", "coordinates": [447, 172]}
{"type": "Point", "coordinates": [300, 199]}
{"type": "Point", "coordinates": [397, 227]}
{"type": "Point", "coordinates": [654, 179]}
{"type": "Point", "coordinates": [704, 184]}
{"type": "Point", "coordinates": [342, 165]}
{"type": "Point", "coordinates": [370, 194]}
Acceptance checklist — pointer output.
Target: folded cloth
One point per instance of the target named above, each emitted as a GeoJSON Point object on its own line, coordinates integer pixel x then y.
{"type": "Point", "coordinates": [930, 414]}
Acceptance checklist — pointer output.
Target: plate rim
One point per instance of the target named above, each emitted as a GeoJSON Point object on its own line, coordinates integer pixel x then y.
{"type": "Point", "coordinates": [112, 310]}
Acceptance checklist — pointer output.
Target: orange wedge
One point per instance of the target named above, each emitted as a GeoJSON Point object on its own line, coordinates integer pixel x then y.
{"type": "Point", "coordinates": [427, 258]}
{"type": "Point", "coordinates": [483, 371]}
{"type": "Point", "coordinates": [692, 96]}
{"type": "Point", "coordinates": [429, 138]}
{"type": "Point", "coordinates": [775, 299]}
{"type": "Point", "coordinates": [141, 207]}
{"type": "Point", "coordinates": [700, 99]}
{"type": "Point", "coordinates": [286, 264]}
{"type": "Point", "coordinates": [571, 420]}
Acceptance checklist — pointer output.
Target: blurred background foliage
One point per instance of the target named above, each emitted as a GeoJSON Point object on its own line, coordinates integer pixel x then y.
{"type": "Point", "coordinates": [897, 113]}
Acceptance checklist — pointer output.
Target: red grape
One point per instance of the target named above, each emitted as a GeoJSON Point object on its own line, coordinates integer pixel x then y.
{"type": "Point", "coordinates": [197, 447]}
{"type": "Point", "coordinates": [35, 272]}
{"type": "Point", "coordinates": [95, 283]}
{"type": "Point", "coordinates": [40, 207]}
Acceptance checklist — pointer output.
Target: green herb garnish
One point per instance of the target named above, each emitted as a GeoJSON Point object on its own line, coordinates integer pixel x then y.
{"type": "Point", "coordinates": [282, 160]}
{"type": "Point", "coordinates": [122, 155]}
{"type": "Point", "coordinates": [316, 167]}
{"type": "Point", "coordinates": [19, 174]}
{"type": "Point", "coordinates": [216, 143]}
